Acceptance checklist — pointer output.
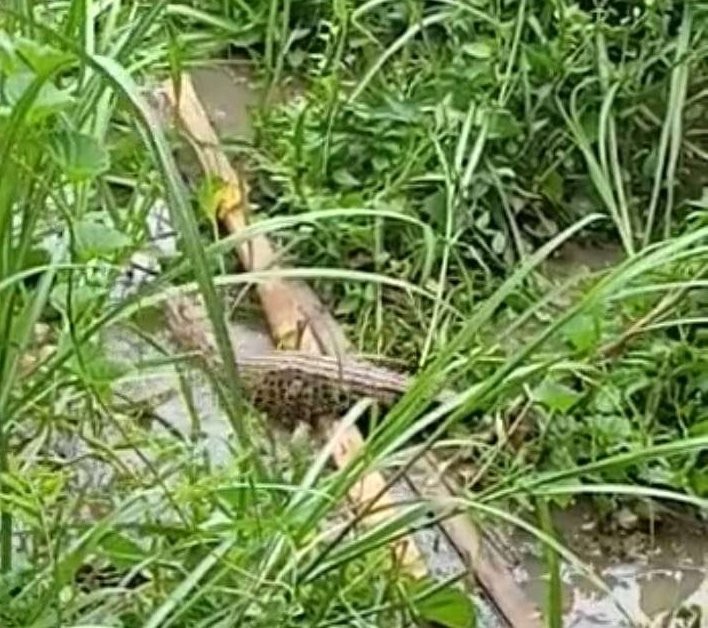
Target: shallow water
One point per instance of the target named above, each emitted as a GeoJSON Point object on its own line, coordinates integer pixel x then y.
{"type": "Point", "coordinates": [647, 575]}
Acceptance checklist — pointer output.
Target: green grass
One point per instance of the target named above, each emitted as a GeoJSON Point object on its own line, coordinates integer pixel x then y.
{"type": "Point", "coordinates": [435, 156]}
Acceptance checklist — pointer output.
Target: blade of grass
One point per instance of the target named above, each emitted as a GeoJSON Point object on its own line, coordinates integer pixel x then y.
{"type": "Point", "coordinates": [618, 461]}
{"type": "Point", "coordinates": [628, 490]}
{"type": "Point", "coordinates": [554, 590]}
{"type": "Point", "coordinates": [670, 139]}
{"type": "Point", "coordinates": [180, 594]}
{"type": "Point", "coordinates": [397, 45]}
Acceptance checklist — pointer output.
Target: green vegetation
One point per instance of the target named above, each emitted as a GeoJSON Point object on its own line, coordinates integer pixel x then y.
{"type": "Point", "coordinates": [507, 129]}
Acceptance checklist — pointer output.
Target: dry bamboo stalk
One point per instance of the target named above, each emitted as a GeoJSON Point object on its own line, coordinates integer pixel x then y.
{"type": "Point", "coordinates": [295, 316]}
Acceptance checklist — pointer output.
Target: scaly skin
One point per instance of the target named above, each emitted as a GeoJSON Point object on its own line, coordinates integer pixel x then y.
{"type": "Point", "coordinates": [291, 386]}
{"type": "Point", "coordinates": [294, 386]}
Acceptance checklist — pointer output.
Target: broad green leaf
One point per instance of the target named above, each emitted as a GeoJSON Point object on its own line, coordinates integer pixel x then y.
{"type": "Point", "coordinates": [556, 396]}
{"type": "Point", "coordinates": [449, 607]}
{"type": "Point", "coordinates": [95, 240]}
{"type": "Point", "coordinates": [80, 156]}
{"type": "Point", "coordinates": [582, 332]}
{"type": "Point", "coordinates": [49, 101]}
{"type": "Point", "coordinates": [121, 550]}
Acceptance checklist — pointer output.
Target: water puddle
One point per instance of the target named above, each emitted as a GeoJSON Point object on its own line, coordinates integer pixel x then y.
{"type": "Point", "coordinates": [650, 576]}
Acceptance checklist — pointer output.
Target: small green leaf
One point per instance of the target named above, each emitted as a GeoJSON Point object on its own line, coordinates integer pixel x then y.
{"type": "Point", "coordinates": [701, 382]}
{"type": "Point", "coordinates": [434, 206]}
{"type": "Point", "coordinates": [478, 50]}
{"type": "Point", "coordinates": [34, 258]}
{"type": "Point", "coordinates": [498, 242]}
{"type": "Point", "coordinates": [95, 240]}
{"type": "Point", "coordinates": [608, 398]}
{"type": "Point", "coordinates": [582, 332]}
{"type": "Point", "coordinates": [80, 156]}
{"type": "Point", "coordinates": [380, 163]}
{"type": "Point", "coordinates": [8, 57]}
{"type": "Point", "coordinates": [699, 482]}
{"type": "Point", "coordinates": [449, 607]}
{"type": "Point", "coordinates": [42, 58]}
{"type": "Point", "coordinates": [540, 59]}
{"type": "Point", "coordinates": [297, 58]}
{"type": "Point", "coordinates": [102, 369]}
{"type": "Point", "coordinates": [121, 550]}
{"type": "Point", "coordinates": [82, 298]}
{"type": "Point", "coordinates": [49, 100]}
{"type": "Point", "coordinates": [483, 221]}
{"type": "Point", "coordinates": [590, 123]}
{"type": "Point", "coordinates": [503, 124]}
{"type": "Point", "coordinates": [556, 396]}
{"type": "Point", "coordinates": [699, 429]}
{"type": "Point", "coordinates": [345, 179]}
{"type": "Point", "coordinates": [210, 196]}
{"type": "Point", "coordinates": [552, 187]}
{"type": "Point", "coordinates": [649, 164]}
{"type": "Point", "coordinates": [94, 366]}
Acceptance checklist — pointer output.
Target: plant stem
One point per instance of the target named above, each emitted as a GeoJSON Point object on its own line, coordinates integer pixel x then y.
{"type": "Point", "coordinates": [5, 516]}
